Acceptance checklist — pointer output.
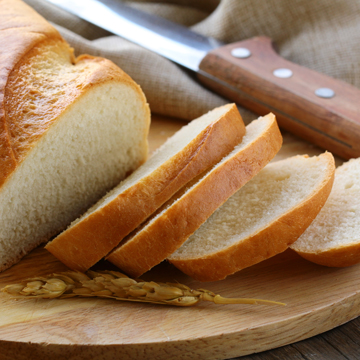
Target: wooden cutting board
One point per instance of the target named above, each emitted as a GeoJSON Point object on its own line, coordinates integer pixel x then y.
{"type": "Point", "coordinates": [317, 298]}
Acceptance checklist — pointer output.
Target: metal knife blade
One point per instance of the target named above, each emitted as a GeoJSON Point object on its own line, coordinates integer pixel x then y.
{"type": "Point", "coordinates": [154, 33]}
{"type": "Point", "coordinates": [314, 106]}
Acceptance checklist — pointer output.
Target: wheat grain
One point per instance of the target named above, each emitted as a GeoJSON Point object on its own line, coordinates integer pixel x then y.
{"type": "Point", "coordinates": [115, 285]}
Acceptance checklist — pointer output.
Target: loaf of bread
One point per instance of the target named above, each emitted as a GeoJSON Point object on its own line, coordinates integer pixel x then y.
{"type": "Point", "coordinates": [167, 229]}
{"type": "Point", "coordinates": [261, 220]}
{"type": "Point", "coordinates": [333, 238]}
{"type": "Point", "coordinates": [70, 130]}
{"type": "Point", "coordinates": [193, 149]}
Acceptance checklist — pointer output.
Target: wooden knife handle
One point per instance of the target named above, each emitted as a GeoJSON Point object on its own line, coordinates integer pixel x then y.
{"type": "Point", "coordinates": [331, 123]}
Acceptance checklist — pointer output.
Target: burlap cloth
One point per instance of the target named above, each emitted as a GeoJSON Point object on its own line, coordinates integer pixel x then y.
{"type": "Point", "coordinates": [323, 35]}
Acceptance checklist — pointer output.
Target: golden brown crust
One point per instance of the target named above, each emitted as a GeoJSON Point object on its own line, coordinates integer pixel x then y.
{"type": "Point", "coordinates": [273, 239]}
{"type": "Point", "coordinates": [340, 256]}
{"type": "Point", "coordinates": [169, 231]}
{"type": "Point", "coordinates": [86, 242]}
{"type": "Point", "coordinates": [32, 96]}
{"type": "Point", "coordinates": [20, 30]}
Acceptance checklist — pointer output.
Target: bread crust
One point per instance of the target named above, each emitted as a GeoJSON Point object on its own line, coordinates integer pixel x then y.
{"type": "Point", "coordinates": [27, 107]}
{"type": "Point", "coordinates": [340, 256]}
{"type": "Point", "coordinates": [20, 30]}
{"type": "Point", "coordinates": [170, 230]}
{"type": "Point", "coordinates": [269, 241]}
{"type": "Point", "coordinates": [88, 241]}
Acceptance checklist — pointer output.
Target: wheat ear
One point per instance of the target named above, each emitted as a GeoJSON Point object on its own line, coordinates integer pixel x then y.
{"type": "Point", "coordinates": [115, 285]}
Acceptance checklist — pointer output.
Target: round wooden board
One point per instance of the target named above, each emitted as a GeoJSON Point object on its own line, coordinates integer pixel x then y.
{"type": "Point", "coordinates": [317, 298]}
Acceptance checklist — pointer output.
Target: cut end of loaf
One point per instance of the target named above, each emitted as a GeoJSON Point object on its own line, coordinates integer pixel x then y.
{"type": "Point", "coordinates": [70, 129]}
{"type": "Point", "coordinates": [260, 220]}
{"type": "Point", "coordinates": [83, 155]}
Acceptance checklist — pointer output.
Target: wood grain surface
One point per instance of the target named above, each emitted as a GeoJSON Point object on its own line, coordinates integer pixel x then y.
{"type": "Point", "coordinates": [318, 299]}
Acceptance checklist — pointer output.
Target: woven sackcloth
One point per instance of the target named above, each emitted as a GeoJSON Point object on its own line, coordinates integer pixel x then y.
{"type": "Point", "coordinates": [320, 34]}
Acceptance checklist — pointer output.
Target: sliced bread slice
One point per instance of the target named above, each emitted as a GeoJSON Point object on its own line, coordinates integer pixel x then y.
{"type": "Point", "coordinates": [167, 230]}
{"type": "Point", "coordinates": [261, 220]}
{"type": "Point", "coordinates": [333, 238]}
{"type": "Point", "coordinates": [188, 153]}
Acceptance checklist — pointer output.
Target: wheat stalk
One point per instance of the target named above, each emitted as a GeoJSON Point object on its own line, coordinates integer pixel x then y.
{"type": "Point", "coordinates": [115, 285]}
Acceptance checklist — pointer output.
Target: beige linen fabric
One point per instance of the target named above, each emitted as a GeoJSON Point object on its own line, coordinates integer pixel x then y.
{"type": "Point", "coordinates": [320, 34]}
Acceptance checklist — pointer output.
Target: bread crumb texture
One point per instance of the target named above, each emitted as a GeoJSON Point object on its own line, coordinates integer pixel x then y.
{"type": "Point", "coordinates": [279, 187]}
{"type": "Point", "coordinates": [253, 130]}
{"type": "Point", "coordinates": [164, 153]}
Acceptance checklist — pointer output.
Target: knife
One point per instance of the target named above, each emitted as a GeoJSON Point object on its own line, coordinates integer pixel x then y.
{"type": "Point", "coordinates": [315, 107]}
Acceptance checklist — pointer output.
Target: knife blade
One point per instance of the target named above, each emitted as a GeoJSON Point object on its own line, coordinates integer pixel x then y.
{"type": "Point", "coordinates": [154, 33]}
{"type": "Point", "coordinates": [316, 107]}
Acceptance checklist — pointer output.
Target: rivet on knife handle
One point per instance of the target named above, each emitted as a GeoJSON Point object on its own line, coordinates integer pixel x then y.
{"type": "Point", "coordinates": [307, 109]}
